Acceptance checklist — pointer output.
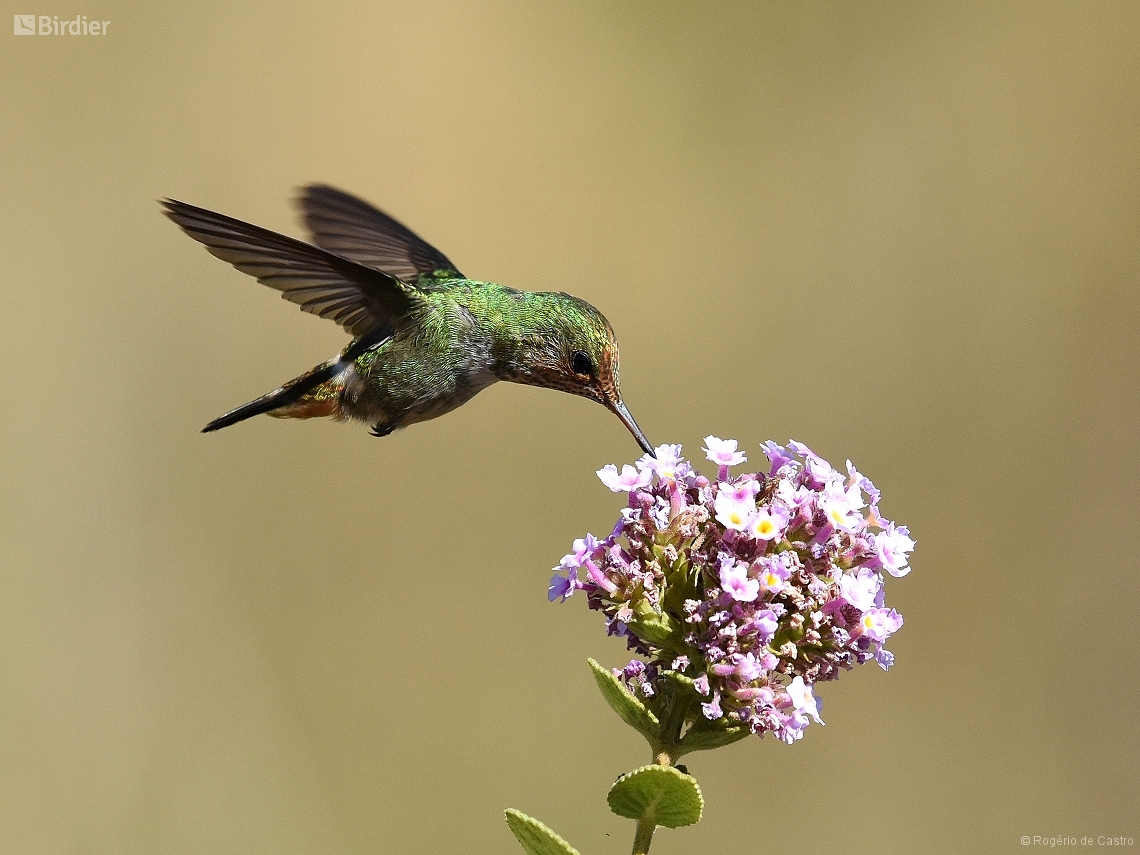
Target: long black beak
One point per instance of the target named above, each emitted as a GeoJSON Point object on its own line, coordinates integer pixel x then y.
{"type": "Point", "coordinates": [619, 409]}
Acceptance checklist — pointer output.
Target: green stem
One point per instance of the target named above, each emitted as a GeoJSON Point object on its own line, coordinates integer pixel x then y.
{"type": "Point", "coordinates": [644, 835]}
{"type": "Point", "coordinates": [674, 719]}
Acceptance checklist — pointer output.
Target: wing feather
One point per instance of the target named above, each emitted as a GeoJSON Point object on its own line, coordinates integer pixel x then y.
{"type": "Point", "coordinates": [360, 298]}
{"type": "Point", "coordinates": [350, 227]}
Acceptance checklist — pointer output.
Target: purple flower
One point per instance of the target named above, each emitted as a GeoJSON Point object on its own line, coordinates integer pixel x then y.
{"type": "Point", "coordinates": [735, 505]}
{"type": "Point", "coordinates": [723, 453]}
{"type": "Point", "coordinates": [562, 586]}
{"type": "Point", "coordinates": [771, 584]}
{"type": "Point", "coordinates": [791, 727]}
{"type": "Point", "coordinates": [764, 624]}
{"type": "Point", "coordinates": [584, 547]}
{"type": "Point", "coordinates": [842, 505]}
{"type": "Point", "coordinates": [748, 668]}
{"type": "Point", "coordinates": [778, 456]}
{"type": "Point", "coordinates": [632, 671]}
{"type": "Point", "coordinates": [863, 482]}
{"type": "Point", "coordinates": [741, 490]}
{"type": "Point", "coordinates": [712, 710]}
{"type": "Point", "coordinates": [667, 465]}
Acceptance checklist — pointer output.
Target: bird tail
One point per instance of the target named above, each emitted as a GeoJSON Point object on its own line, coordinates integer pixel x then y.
{"type": "Point", "coordinates": [314, 393]}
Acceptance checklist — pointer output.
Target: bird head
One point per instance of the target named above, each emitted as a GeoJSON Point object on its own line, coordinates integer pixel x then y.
{"type": "Point", "coordinates": [573, 348]}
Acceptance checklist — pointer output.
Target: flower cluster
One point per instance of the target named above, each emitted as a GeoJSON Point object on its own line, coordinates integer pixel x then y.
{"type": "Point", "coordinates": [749, 589]}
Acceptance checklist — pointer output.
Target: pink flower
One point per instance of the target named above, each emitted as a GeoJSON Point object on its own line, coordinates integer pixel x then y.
{"type": "Point", "coordinates": [668, 465]}
{"type": "Point", "coordinates": [803, 700]}
{"type": "Point", "coordinates": [735, 582]}
{"type": "Point", "coordinates": [842, 507]}
{"type": "Point", "coordinates": [735, 504]}
{"type": "Point", "coordinates": [860, 589]}
{"type": "Point", "coordinates": [629, 480]}
{"type": "Point", "coordinates": [880, 624]}
{"type": "Point", "coordinates": [774, 573]}
{"type": "Point", "coordinates": [768, 523]}
{"type": "Point", "coordinates": [723, 451]}
{"type": "Point", "coordinates": [892, 545]}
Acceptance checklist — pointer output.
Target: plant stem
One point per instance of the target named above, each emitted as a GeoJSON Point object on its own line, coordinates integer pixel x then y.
{"type": "Point", "coordinates": [644, 835]}
{"type": "Point", "coordinates": [674, 719]}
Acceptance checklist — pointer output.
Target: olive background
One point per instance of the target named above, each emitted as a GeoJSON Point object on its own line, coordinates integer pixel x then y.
{"type": "Point", "coordinates": [907, 234]}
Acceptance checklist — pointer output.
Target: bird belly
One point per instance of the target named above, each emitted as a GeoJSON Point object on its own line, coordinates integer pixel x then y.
{"type": "Point", "coordinates": [423, 371]}
{"type": "Point", "coordinates": [391, 398]}
{"type": "Point", "coordinates": [464, 391]}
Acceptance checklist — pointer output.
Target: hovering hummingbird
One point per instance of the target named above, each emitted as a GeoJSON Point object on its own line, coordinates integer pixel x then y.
{"type": "Point", "coordinates": [426, 338]}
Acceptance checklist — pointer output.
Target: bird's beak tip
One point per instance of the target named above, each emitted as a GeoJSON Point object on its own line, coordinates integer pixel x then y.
{"type": "Point", "coordinates": [622, 412]}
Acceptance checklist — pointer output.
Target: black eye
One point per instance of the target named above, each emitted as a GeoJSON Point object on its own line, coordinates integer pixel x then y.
{"type": "Point", "coordinates": [582, 363]}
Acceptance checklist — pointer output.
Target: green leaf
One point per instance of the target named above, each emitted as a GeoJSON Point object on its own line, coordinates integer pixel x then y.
{"type": "Point", "coordinates": [654, 627]}
{"type": "Point", "coordinates": [680, 680]}
{"type": "Point", "coordinates": [535, 837]}
{"type": "Point", "coordinates": [632, 711]}
{"type": "Point", "coordinates": [661, 794]}
{"type": "Point", "coordinates": [705, 738]}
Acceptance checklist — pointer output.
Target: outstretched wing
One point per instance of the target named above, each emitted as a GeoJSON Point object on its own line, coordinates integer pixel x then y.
{"type": "Point", "coordinates": [352, 228]}
{"type": "Point", "coordinates": [359, 298]}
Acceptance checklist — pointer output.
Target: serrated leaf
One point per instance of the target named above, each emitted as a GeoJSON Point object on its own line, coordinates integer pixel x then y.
{"type": "Point", "coordinates": [704, 739]}
{"type": "Point", "coordinates": [661, 794]}
{"type": "Point", "coordinates": [535, 837]}
{"type": "Point", "coordinates": [632, 711]}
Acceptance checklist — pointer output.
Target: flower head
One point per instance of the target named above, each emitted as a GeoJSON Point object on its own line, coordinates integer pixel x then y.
{"type": "Point", "coordinates": [753, 588]}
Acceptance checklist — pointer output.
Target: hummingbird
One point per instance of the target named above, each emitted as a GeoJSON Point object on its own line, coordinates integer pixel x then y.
{"type": "Point", "coordinates": [426, 339]}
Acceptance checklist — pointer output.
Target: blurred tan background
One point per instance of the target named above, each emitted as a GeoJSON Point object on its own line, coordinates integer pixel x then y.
{"type": "Point", "coordinates": [906, 234]}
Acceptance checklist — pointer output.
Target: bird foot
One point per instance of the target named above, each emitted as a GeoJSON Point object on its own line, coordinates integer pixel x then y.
{"type": "Point", "coordinates": [382, 428]}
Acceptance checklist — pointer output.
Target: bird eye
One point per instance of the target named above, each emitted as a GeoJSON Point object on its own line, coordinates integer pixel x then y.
{"type": "Point", "coordinates": [582, 363]}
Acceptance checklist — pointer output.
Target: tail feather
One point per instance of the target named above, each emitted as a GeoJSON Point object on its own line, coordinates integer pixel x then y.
{"type": "Point", "coordinates": [296, 389]}
{"type": "Point", "coordinates": [288, 394]}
